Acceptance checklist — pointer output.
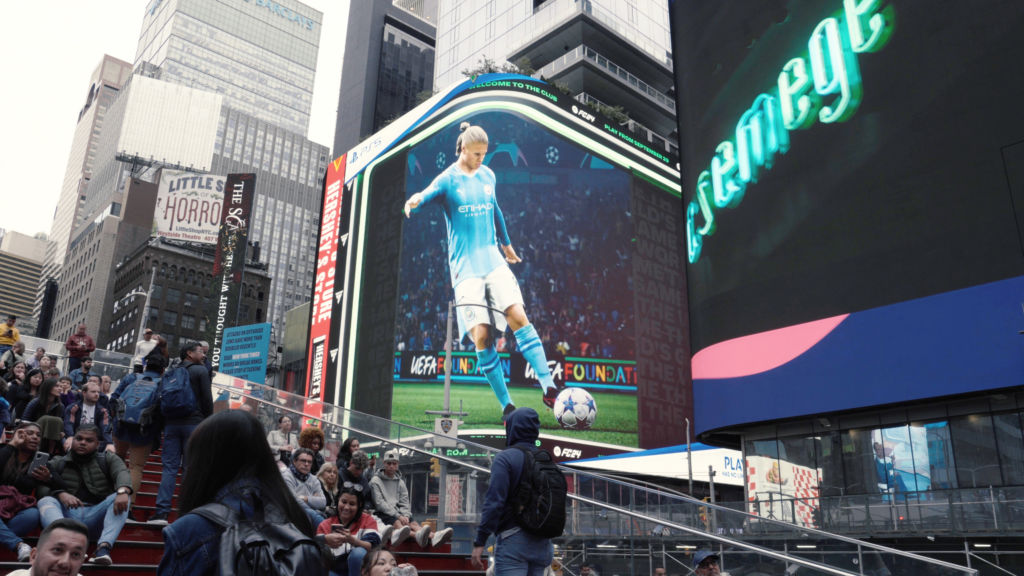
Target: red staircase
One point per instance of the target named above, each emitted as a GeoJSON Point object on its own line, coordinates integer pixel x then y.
{"type": "Point", "coordinates": [140, 546]}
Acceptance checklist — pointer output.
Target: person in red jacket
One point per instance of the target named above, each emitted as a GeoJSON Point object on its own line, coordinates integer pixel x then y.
{"type": "Point", "coordinates": [351, 533]}
{"type": "Point", "coordinates": [79, 345]}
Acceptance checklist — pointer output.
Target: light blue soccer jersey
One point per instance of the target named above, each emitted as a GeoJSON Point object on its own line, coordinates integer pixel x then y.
{"type": "Point", "coordinates": [475, 223]}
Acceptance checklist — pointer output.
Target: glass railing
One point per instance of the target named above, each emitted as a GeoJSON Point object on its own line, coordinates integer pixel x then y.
{"type": "Point", "coordinates": [605, 515]}
{"type": "Point", "coordinates": [583, 52]}
{"type": "Point", "coordinates": [635, 127]}
{"type": "Point", "coordinates": [958, 511]}
{"type": "Point", "coordinates": [105, 362]}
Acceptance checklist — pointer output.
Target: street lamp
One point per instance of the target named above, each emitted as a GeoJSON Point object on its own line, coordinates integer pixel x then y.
{"type": "Point", "coordinates": [145, 308]}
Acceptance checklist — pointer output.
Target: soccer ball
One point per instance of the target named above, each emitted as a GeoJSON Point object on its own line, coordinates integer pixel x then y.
{"type": "Point", "coordinates": [575, 409]}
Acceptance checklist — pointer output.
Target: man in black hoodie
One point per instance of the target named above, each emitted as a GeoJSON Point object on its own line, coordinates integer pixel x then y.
{"type": "Point", "coordinates": [516, 551]}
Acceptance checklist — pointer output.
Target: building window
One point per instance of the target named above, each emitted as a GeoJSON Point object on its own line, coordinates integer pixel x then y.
{"type": "Point", "coordinates": [188, 322]}
{"type": "Point", "coordinates": [170, 318]}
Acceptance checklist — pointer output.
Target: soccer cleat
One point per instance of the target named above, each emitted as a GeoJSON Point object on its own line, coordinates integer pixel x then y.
{"type": "Point", "coordinates": [509, 408]}
{"type": "Point", "coordinates": [442, 537]}
{"type": "Point", "coordinates": [24, 552]}
{"type": "Point", "coordinates": [549, 397]}
{"type": "Point", "coordinates": [423, 536]}
{"type": "Point", "coordinates": [102, 556]}
{"type": "Point", "coordinates": [400, 535]}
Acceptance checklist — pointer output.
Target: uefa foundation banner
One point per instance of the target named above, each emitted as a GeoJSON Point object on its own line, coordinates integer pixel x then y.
{"type": "Point", "coordinates": [587, 287]}
{"type": "Point", "coordinates": [229, 261]}
{"type": "Point", "coordinates": [188, 206]}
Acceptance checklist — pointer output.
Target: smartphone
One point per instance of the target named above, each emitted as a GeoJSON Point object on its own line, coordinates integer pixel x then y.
{"type": "Point", "coordinates": [337, 527]}
{"type": "Point", "coordinates": [40, 460]}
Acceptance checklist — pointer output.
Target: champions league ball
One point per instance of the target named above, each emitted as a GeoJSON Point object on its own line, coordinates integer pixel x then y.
{"type": "Point", "coordinates": [575, 409]}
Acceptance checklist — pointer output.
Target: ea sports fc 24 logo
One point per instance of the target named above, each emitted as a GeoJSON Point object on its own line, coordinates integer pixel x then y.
{"type": "Point", "coordinates": [822, 85]}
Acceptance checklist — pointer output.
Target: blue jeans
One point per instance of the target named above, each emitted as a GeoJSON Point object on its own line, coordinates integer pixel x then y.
{"type": "Point", "coordinates": [23, 522]}
{"type": "Point", "coordinates": [100, 518]}
{"type": "Point", "coordinates": [522, 554]}
{"type": "Point", "coordinates": [175, 438]}
{"type": "Point", "coordinates": [314, 516]}
{"type": "Point", "coordinates": [350, 565]}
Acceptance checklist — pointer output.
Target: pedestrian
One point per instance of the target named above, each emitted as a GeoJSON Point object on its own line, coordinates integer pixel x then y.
{"type": "Point", "coordinates": [178, 429]}
{"type": "Point", "coordinates": [60, 550]}
{"type": "Point", "coordinates": [517, 551]}
{"type": "Point", "coordinates": [79, 345]}
{"type": "Point", "coordinates": [245, 476]}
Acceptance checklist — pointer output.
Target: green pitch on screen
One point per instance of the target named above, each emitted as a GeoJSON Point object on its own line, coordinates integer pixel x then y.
{"type": "Point", "coordinates": [615, 423]}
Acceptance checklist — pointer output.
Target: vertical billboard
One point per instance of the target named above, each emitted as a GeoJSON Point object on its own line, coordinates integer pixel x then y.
{"type": "Point", "coordinates": [188, 206]}
{"type": "Point", "coordinates": [229, 260]}
{"type": "Point", "coordinates": [322, 350]}
{"type": "Point", "coordinates": [595, 219]}
{"type": "Point", "coordinates": [853, 190]}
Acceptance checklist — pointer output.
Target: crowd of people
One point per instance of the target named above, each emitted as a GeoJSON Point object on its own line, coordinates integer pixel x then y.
{"type": "Point", "coordinates": [73, 465]}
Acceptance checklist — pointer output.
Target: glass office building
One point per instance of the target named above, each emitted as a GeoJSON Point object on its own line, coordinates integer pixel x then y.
{"type": "Point", "coordinates": [260, 55]}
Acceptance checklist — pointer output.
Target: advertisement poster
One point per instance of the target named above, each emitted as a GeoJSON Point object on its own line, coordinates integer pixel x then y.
{"type": "Point", "coordinates": [229, 260]}
{"type": "Point", "coordinates": [568, 217]}
{"type": "Point", "coordinates": [245, 350]}
{"type": "Point", "coordinates": [188, 206]}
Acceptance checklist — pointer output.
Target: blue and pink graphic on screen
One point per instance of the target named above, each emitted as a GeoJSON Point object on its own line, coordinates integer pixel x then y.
{"type": "Point", "coordinates": [879, 356]}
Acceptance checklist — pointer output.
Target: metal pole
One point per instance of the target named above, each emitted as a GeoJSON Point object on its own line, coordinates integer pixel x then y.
{"type": "Point", "coordinates": [145, 307]}
{"type": "Point", "coordinates": [689, 456]}
{"type": "Point", "coordinates": [448, 361]}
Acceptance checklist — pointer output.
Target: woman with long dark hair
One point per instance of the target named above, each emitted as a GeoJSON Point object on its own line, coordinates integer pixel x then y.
{"type": "Point", "coordinates": [48, 411]}
{"type": "Point", "coordinates": [21, 393]}
{"type": "Point", "coordinates": [228, 460]}
{"type": "Point", "coordinates": [351, 533]}
{"type": "Point", "coordinates": [348, 447]}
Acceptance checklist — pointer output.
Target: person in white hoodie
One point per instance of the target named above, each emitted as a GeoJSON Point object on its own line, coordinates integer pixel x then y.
{"type": "Point", "coordinates": [391, 499]}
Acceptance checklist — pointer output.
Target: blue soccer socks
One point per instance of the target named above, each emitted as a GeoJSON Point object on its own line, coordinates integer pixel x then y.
{"type": "Point", "coordinates": [532, 349]}
{"type": "Point", "coordinates": [491, 368]}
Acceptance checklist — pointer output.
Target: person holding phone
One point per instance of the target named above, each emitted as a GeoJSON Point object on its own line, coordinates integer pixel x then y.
{"type": "Point", "coordinates": [24, 468]}
{"type": "Point", "coordinates": [351, 533]}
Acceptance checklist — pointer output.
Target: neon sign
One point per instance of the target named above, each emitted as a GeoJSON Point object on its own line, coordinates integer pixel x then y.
{"type": "Point", "coordinates": [823, 85]}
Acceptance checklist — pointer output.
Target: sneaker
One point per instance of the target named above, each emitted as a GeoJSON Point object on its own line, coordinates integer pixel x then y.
{"type": "Point", "coordinates": [385, 534]}
{"type": "Point", "coordinates": [400, 535]}
{"type": "Point", "coordinates": [441, 537]}
{"type": "Point", "coordinates": [102, 556]}
{"type": "Point", "coordinates": [509, 408]}
{"type": "Point", "coordinates": [423, 536]}
{"type": "Point", "coordinates": [133, 518]}
{"type": "Point", "coordinates": [549, 396]}
{"type": "Point", "coordinates": [24, 552]}
{"type": "Point", "coordinates": [159, 518]}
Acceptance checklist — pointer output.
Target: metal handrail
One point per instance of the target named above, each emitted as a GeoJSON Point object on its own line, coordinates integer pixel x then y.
{"type": "Point", "coordinates": [859, 544]}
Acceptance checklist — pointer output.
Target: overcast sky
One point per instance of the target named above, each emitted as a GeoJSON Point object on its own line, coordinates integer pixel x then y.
{"type": "Point", "coordinates": [51, 48]}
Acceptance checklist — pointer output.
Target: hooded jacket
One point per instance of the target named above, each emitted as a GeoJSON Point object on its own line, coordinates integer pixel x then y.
{"type": "Point", "coordinates": [522, 428]}
{"type": "Point", "coordinates": [390, 496]}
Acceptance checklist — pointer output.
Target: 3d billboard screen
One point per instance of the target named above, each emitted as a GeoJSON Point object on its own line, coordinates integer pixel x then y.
{"type": "Point", "coordinates": [594, 222]}
{"type": "Point", "coordinates": [853, 183]}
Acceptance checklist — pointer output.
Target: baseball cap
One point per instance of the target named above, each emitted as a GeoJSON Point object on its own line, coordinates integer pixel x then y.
{"type": "Point", "coordinates": [391, 456]}
{"type": "Point", "coordinates": [702, 555]}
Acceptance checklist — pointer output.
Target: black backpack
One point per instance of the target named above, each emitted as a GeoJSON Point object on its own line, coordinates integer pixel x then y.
{"type": "Point", "coordinates": [266, 544]}
{"type": "Point", "coordinates": [540, 497]}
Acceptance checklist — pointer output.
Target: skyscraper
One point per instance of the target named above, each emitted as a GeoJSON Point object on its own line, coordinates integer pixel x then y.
{"type": "Point", "coordinates": [259, 54]}
{"type": "Point", "coordinates": [389, 63]}
{"type": "Point", "coordinates": [239, 74]}
{"type": "Point", "coordinates": [607, 53]}
{"type": "Point", "coordinates": [104, 86]}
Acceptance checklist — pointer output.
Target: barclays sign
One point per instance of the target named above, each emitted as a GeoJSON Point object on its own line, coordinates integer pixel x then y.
{"type": "Point", "coordinates": [284, 12]}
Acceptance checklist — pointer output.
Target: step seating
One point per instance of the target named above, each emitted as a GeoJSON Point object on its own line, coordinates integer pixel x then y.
{"type": "Point", "coordinates": [140, 545]}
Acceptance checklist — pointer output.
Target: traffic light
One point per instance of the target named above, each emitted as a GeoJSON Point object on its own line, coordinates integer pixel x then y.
{"type": "Point", "coordinates": [435, 468]}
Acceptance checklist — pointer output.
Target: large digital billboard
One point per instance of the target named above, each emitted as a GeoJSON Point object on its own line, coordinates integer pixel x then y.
{"type": "Point", "coordinates": [853, 182]}
{"type": "Point", "coordinates": [594, 219]}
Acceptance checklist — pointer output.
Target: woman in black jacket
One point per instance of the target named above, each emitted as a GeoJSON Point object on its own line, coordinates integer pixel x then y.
{"type": "Point", "coordinates": [48, 411]}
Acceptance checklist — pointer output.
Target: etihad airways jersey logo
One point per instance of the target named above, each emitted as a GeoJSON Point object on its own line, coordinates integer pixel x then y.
{"type": "Point", "coordinates": [476, 209]}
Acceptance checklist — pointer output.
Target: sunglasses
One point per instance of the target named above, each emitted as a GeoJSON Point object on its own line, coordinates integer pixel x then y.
{"type": "Point", "coordinates": [352, 486]}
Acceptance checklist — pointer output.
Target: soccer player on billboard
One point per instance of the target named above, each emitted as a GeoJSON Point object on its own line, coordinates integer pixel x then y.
{"type": "Point", "coordinates": [479, 254]}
